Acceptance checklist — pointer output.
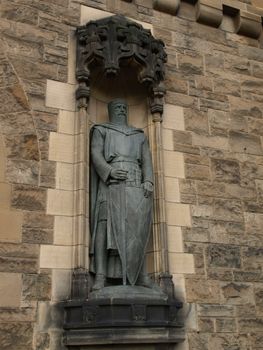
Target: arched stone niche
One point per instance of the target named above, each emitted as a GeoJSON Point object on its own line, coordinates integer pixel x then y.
{"type": "Point", "coordinates": [117, 57]}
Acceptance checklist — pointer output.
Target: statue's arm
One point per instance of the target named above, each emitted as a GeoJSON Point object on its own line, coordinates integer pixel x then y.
{"type": "Point", "coordinates": [102, 168]}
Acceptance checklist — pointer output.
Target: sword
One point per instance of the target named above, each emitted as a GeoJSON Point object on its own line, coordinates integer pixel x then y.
{"type": "Point", "coordinates": [123, 230]}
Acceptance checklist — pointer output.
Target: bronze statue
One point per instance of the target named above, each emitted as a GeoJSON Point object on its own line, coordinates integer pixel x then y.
{"type": "Point", "coordinates": [121, 200]}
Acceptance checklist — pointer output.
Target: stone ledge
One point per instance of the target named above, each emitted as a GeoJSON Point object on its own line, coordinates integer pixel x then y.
{"type": "Point", "coordinates": [247, 22]}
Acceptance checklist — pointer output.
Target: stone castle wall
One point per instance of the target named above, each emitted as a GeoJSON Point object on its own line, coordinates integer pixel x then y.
{"type": "Point", "coordinates": [213, 165]}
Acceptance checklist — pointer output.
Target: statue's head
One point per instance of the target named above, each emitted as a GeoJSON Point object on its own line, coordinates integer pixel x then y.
{"type": "Point", "coordinates": [118, 111]}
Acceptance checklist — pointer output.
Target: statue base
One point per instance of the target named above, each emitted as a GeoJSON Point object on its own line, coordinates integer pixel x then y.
{"type": "Point", "coordinates": [122, 315]}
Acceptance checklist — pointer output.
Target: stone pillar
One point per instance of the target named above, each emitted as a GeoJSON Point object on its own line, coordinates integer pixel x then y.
{"type": "Point", "coordinates": [160, 239]}
{"type": "Point", "coordinates": [80, 274]}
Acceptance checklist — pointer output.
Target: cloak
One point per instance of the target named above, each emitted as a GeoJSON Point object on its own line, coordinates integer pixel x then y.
{"type": "Point", "coordinates": [128, 211]}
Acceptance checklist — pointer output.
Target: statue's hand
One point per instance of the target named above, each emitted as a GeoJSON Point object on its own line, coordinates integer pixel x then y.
{"type": "Point", "coordinates": [148, 188]}
{"type": "Point", "coordinates": [119, 174]}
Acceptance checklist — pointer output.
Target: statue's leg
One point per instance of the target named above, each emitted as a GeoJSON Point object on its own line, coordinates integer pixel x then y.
{"type": "Point", "coordinates": [100, 255]}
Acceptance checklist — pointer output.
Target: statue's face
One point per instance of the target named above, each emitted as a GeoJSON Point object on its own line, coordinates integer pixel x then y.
{"type": "Point", "coordinates": [119, 113]}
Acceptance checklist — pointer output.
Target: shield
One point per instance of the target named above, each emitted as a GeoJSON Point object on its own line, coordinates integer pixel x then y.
{"type": "Point", "coordinates": [130, 214]}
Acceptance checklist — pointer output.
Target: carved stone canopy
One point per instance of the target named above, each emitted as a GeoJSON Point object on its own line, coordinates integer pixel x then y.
{"type": "Point", "coordinates": [113, 42]}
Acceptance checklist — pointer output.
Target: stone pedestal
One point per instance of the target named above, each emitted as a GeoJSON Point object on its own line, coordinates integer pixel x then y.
{"type": "Point", "coordinates": [122, 315]}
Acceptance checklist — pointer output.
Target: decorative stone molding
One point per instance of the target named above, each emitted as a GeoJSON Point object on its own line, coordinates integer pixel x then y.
{"type": "Point", "coordinates": [249, 24]}
{"type": "Point", "coordinates": [247, 19]}
{"type": "Point", "coordinates": [209, 12]}
{"type": "Point", "coordinates": [113, 42]}
{"type": "Point", "coordinates": [168, 6]}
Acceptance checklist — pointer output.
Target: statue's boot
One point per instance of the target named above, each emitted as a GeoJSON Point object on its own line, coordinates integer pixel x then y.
{"type": "Point", "coordinates": [99, 282]}
{"type": "Point", "coordinates": [145, 281]}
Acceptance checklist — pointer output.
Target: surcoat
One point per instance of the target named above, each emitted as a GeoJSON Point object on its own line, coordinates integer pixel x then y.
{"type": "Point", "coordinates": [121, 204]}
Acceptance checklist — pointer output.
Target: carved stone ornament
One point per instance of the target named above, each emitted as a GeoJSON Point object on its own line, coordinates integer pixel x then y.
{"type": "Point", "coordinates": [113, 42]}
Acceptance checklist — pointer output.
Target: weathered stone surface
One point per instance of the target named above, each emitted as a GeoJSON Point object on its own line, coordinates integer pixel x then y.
{"type": "Point", "coordinates": [42, 341]}
{"type": "Point", "coordinates": [226, 325]}
{"type": "Point", "coordinates": [22, 171]}
{"type": "Point", "coordinates": [196, 121]}
{"type": "Point", "coordinates": [198, 341]}
{"type": "Point", "coordinates": [229, 210]}
{"type": "Point", "coordinates": [197, 172]}
{"type": "Point", "coordinates": [23, 314]}
{"type": "Point", "coordinates": [238, 293]}
{"type": "Point", "coordinates": [36, 287]}
{"type": "Point", "coordinates": [37, 236]}
{"type": "Point", "coordinates": [191, 64]}
{"type": "Point", "coordinates": [18, 258]}
{"type": "Point", "coordinates": [225, 170]}
{"type": "Point", "coordinates": [16, 336]}
{"type": "Point", "coordinates": [22, 146]}
{"type": "Point", "coordinates": [251, 325]}
{"type": "Point", "coordinates": [224, 86]}
{"type": "Point", "coordinates": [181, 100]}
{"type": "Point", "coordinates": [201, 290]}
{"type": "Point", "coordinates": [38, 220]}
{"type": "Point", "coordinates": [45, 121]}
{"type": "Point", "coordinates": [253, 258]}
{"type": "Point", "coordinates": [219, 122]}
{"type": "Point", "coordinates": [220, 255]}
{"type": "Point", "coordinates": [7, 75]}
{"type": "Point", "coordinates": [13, 99]}
{"type": "Point", "coordinates": [17, 123]}
{"type": "Point", "coordinates": [28, 198]}
{"type": "Point", "coordinates": [229, 341]}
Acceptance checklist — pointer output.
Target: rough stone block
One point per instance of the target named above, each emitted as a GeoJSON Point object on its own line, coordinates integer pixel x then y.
{"type": "Point", "coordinates": [28, 198]}
{"type": "Point", "coordinates": [229, 210]}
{"type": "Point", "coordinates": [23, 146]}
{"type": "Point", "coordinates": [190, 64]}
{"type": "Point", "coordinates": [197, 172]}
{"type": "Point", "coordinates": [220, 255]}
{"type": "Point", "coordinates": [37, 235]}
{"type": "Point", "coordinates": [10, 289]}
{"type": "Point", "coordinates": [225, 170]}
{"type": "Point", "coordinates": [182, 100]}
{"type": "Point", "coordinates": [244, 143]}
{"type": "Point", "coordinates": [36, 287]}
{"type": "Point", "coordinates": [16, 335]}
{"type": "Point", "coordinates": [238, 293]}
{"type": "Point", "coordinates": [23, 171]}
{"type": "Point", "coordinates": [202, 291]}
{"type": "Point", "coordinates": [211, 141]}
{"type": "Point", "coordinates": [218, 310]}
{"type": "Point", "coordinates": [196, 121]}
